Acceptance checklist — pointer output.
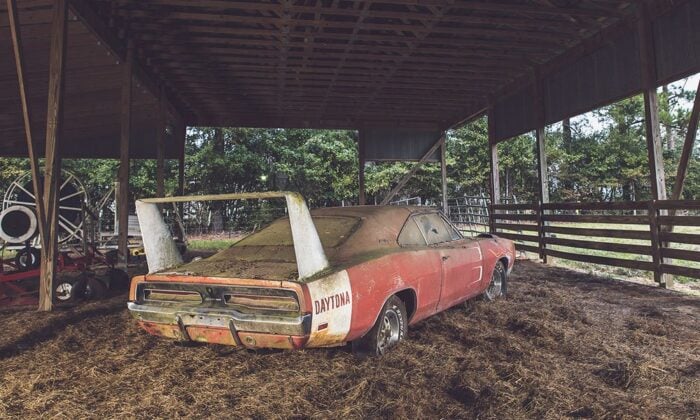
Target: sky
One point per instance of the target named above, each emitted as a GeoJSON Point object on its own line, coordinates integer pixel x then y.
{"type": "Point", "coordinates": [590, 122]}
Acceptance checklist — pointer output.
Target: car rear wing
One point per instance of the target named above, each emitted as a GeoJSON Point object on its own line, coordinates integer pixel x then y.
{"type": "Point", "coordinates": [162, 253]}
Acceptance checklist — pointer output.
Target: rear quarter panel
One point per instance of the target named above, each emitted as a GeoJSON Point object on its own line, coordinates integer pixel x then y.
{"type": "Point", "coordinates": [374, 281]}
{"type": "Point", "coordinates": [494, 250]}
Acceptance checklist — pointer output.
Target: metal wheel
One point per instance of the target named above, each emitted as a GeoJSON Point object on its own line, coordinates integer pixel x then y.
{"type": "Point", "coordinates": [390, 331]}
{"type": "Point", "coordinates": [63, 291]}
{"type": "Point", "coordinates": [498, 279]}
{"type": "Point", "coordinates": [387, 332]}
{"type": "Point", "coordinates": [71, 198]}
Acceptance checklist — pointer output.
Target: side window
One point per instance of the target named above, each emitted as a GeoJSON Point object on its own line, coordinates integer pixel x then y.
{"type": "Point", "coordinates": [454, 233]}
{"type": "Point", "coordinates": [434, 228]}
{"type": "Point", "coordinates": [410, 234]}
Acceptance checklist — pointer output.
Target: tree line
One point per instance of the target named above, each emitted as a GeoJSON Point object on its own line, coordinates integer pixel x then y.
{"type": "Point", "coordinates": [602, 157]}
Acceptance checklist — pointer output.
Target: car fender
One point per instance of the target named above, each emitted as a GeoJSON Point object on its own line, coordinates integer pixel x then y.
{"type": "Point", "coordinates": [332, 303]}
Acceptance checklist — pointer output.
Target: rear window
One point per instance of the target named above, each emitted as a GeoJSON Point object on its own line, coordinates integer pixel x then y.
{"type": "Point", "coordinates": [333, 231]}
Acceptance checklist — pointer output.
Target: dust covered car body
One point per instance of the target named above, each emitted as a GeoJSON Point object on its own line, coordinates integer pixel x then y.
{"type": "Point", "coordinates": [386, 267]}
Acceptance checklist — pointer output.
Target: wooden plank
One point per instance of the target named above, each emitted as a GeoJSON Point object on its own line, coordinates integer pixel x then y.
{"type": "Point", "coordinates": [677, 270]}
{"type": "Point", "coordinates": [680, 254]}
{"type": "Point", "coordinates": [52, 158]}
{"type": "Point", "coordinates": [594, 259]}
{"type": "Point", "coordinates": [402, 182]}
{"type": "Point", "coordinates": [503, 216]}
{"type": "Point", "coordinates": [684, 238]}
{"type": "Point", "coordinates": [516, 227]}
{"type": "Point", "coordinates": [600, 246]}
{"type": "Point", "coordinates": [627, 220]}
{"type": "Point", "coordinates": [522, 206]}
{"type": "Point", "coordinates": [124, 159]}
{"type": "Point", "coordinates": [518, 237]}
{"type": "Point", "coordinates": [679, 220]}
{"type": "Point", "coordinates": [620, 205]}
{"type": "Point", "coordinates": [603, 233]}
{"type": "Point", "coordinates": [26, 118]}
{"type": "Point", "coordinates": [361, 152]}
{"type": "Point", "coordinates": [527, 248]}
{"type": "Point", "coordinates": [678, 204]}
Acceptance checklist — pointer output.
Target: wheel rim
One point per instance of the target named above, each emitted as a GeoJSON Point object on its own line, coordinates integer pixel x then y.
{"type": "Point", "coordinates": [494, 289]}
{"type": "Point", "coordinates": [64, 291]}
{"type": "Point", "coordinates": [389, 332]}
{"type": "Point", "coordinates": [72, 198]}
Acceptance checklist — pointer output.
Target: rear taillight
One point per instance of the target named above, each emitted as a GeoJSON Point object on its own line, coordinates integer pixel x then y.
{"type": "Point", "coordinates": [245, 301]}
{"type": "Point", "coordinates": [175, 296]}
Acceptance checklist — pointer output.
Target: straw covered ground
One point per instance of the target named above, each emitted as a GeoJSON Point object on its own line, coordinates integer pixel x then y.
{"type": "Point", "coordinates": [563, 344]}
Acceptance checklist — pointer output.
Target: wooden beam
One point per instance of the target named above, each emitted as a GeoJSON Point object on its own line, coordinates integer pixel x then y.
{"type": "Point", "coordinates": [361, 170]}
{"type": "Point", "coordinates": [402, 182]}
{"type": "Point", "coordinates": [657, 175]}
{"type": "Point", "coordinates": [495, 184]}
{"type": "Point", "coordinates": [443, 176]}
{"type": "Point", "coordinates": [541, 147]}
{"type": "Point", "coordinates": [160, 145]}
{"type": "Point", "coordinates": [26, 117]}
{"type": "Point", "coordinates": [52, 161]}
{"type": "Point", "coordinates": [94, 23]}
{"type": "Point", "coordinates": [124, 159]}
{"type": "Point", "coordinates": [688, 145]}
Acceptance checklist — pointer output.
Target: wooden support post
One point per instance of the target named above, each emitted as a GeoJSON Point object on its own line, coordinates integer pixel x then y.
{"type": "Point", "coordinates": [402, 182]}
{"type": "Point", "coordinates": [52, 165]}
{"type": "Point", "coordinates": [362, 196]}
{"type": "Point", "coordinates": [124, 161]}
{"type": "Point", "coordinates": [33, 160]}
{"type": "Point", "coordinates": [688, 145]}
{"type": "Point", "coordinates": [160, 145]}
{"type": "Point", "coordinates": [543, 187]}
{"type": "Point", "coordinates": [495, 184]}
{"type": "Point", "coordinates": [542, 176]}
{"type": "Point", "coordinates": [443, 176]}
{"type": "Point", "coordinates": [657, 174]}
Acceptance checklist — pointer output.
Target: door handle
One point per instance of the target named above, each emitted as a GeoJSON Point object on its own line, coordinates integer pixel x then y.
{"type": "Point", "coordinates": [445, 257]}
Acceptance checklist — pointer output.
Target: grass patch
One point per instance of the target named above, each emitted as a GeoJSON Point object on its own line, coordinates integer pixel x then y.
{"type": "Point", "coordinates": [211, 244]}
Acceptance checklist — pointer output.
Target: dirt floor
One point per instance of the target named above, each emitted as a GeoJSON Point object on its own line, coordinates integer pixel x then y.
{"type": "Point", "coordinates": [564, 344]}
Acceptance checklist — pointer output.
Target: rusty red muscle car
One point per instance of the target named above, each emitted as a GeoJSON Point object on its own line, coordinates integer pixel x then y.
{"type": "Point", "coordinates": [381, 269]}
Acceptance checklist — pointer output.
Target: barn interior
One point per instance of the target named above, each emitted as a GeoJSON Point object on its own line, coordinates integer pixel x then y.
{"type": "Point", "coordinates": [124, 79]}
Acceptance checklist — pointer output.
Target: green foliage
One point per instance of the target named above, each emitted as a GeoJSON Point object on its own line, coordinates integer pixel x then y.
{"type": "Point", "coordinates": [604, 158]}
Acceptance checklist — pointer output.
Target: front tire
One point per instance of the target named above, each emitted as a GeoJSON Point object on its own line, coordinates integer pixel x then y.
{"type": "Point", "coordinates": [497, 284]}
{"type": "Point", "coordinates": [387, 332]}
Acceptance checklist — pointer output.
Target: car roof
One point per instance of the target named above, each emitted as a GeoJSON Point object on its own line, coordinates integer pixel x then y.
{"type": "Point", "coordinates": [379, 228]}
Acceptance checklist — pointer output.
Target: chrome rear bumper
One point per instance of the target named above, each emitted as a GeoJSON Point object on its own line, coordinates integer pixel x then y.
{"type": "Point", "coordinates": [213, 317]}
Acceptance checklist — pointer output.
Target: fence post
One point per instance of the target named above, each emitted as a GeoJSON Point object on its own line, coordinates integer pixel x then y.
{"type": "Point", "coordinates": [655, 241]}
{"type": "Point", "coordinates": [540, 231]}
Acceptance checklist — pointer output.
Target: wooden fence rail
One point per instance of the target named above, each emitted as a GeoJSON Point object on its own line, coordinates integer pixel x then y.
{"type": "Point", "coordinates": [643, 233]}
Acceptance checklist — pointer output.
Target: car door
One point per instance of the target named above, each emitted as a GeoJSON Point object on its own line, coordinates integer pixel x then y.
{"type": "Point", "coordinates": [460, 258]}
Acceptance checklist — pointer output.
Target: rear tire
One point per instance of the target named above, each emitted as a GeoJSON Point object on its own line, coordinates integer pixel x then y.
{"type": "Point", "coordinates": [387, 332]}
{"type": "Point", "coordinates": [118, 279]}
{"type": "Point", "coordinates": [497, 284]}
{"type": "Point", "coordinates": [90, 288]}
